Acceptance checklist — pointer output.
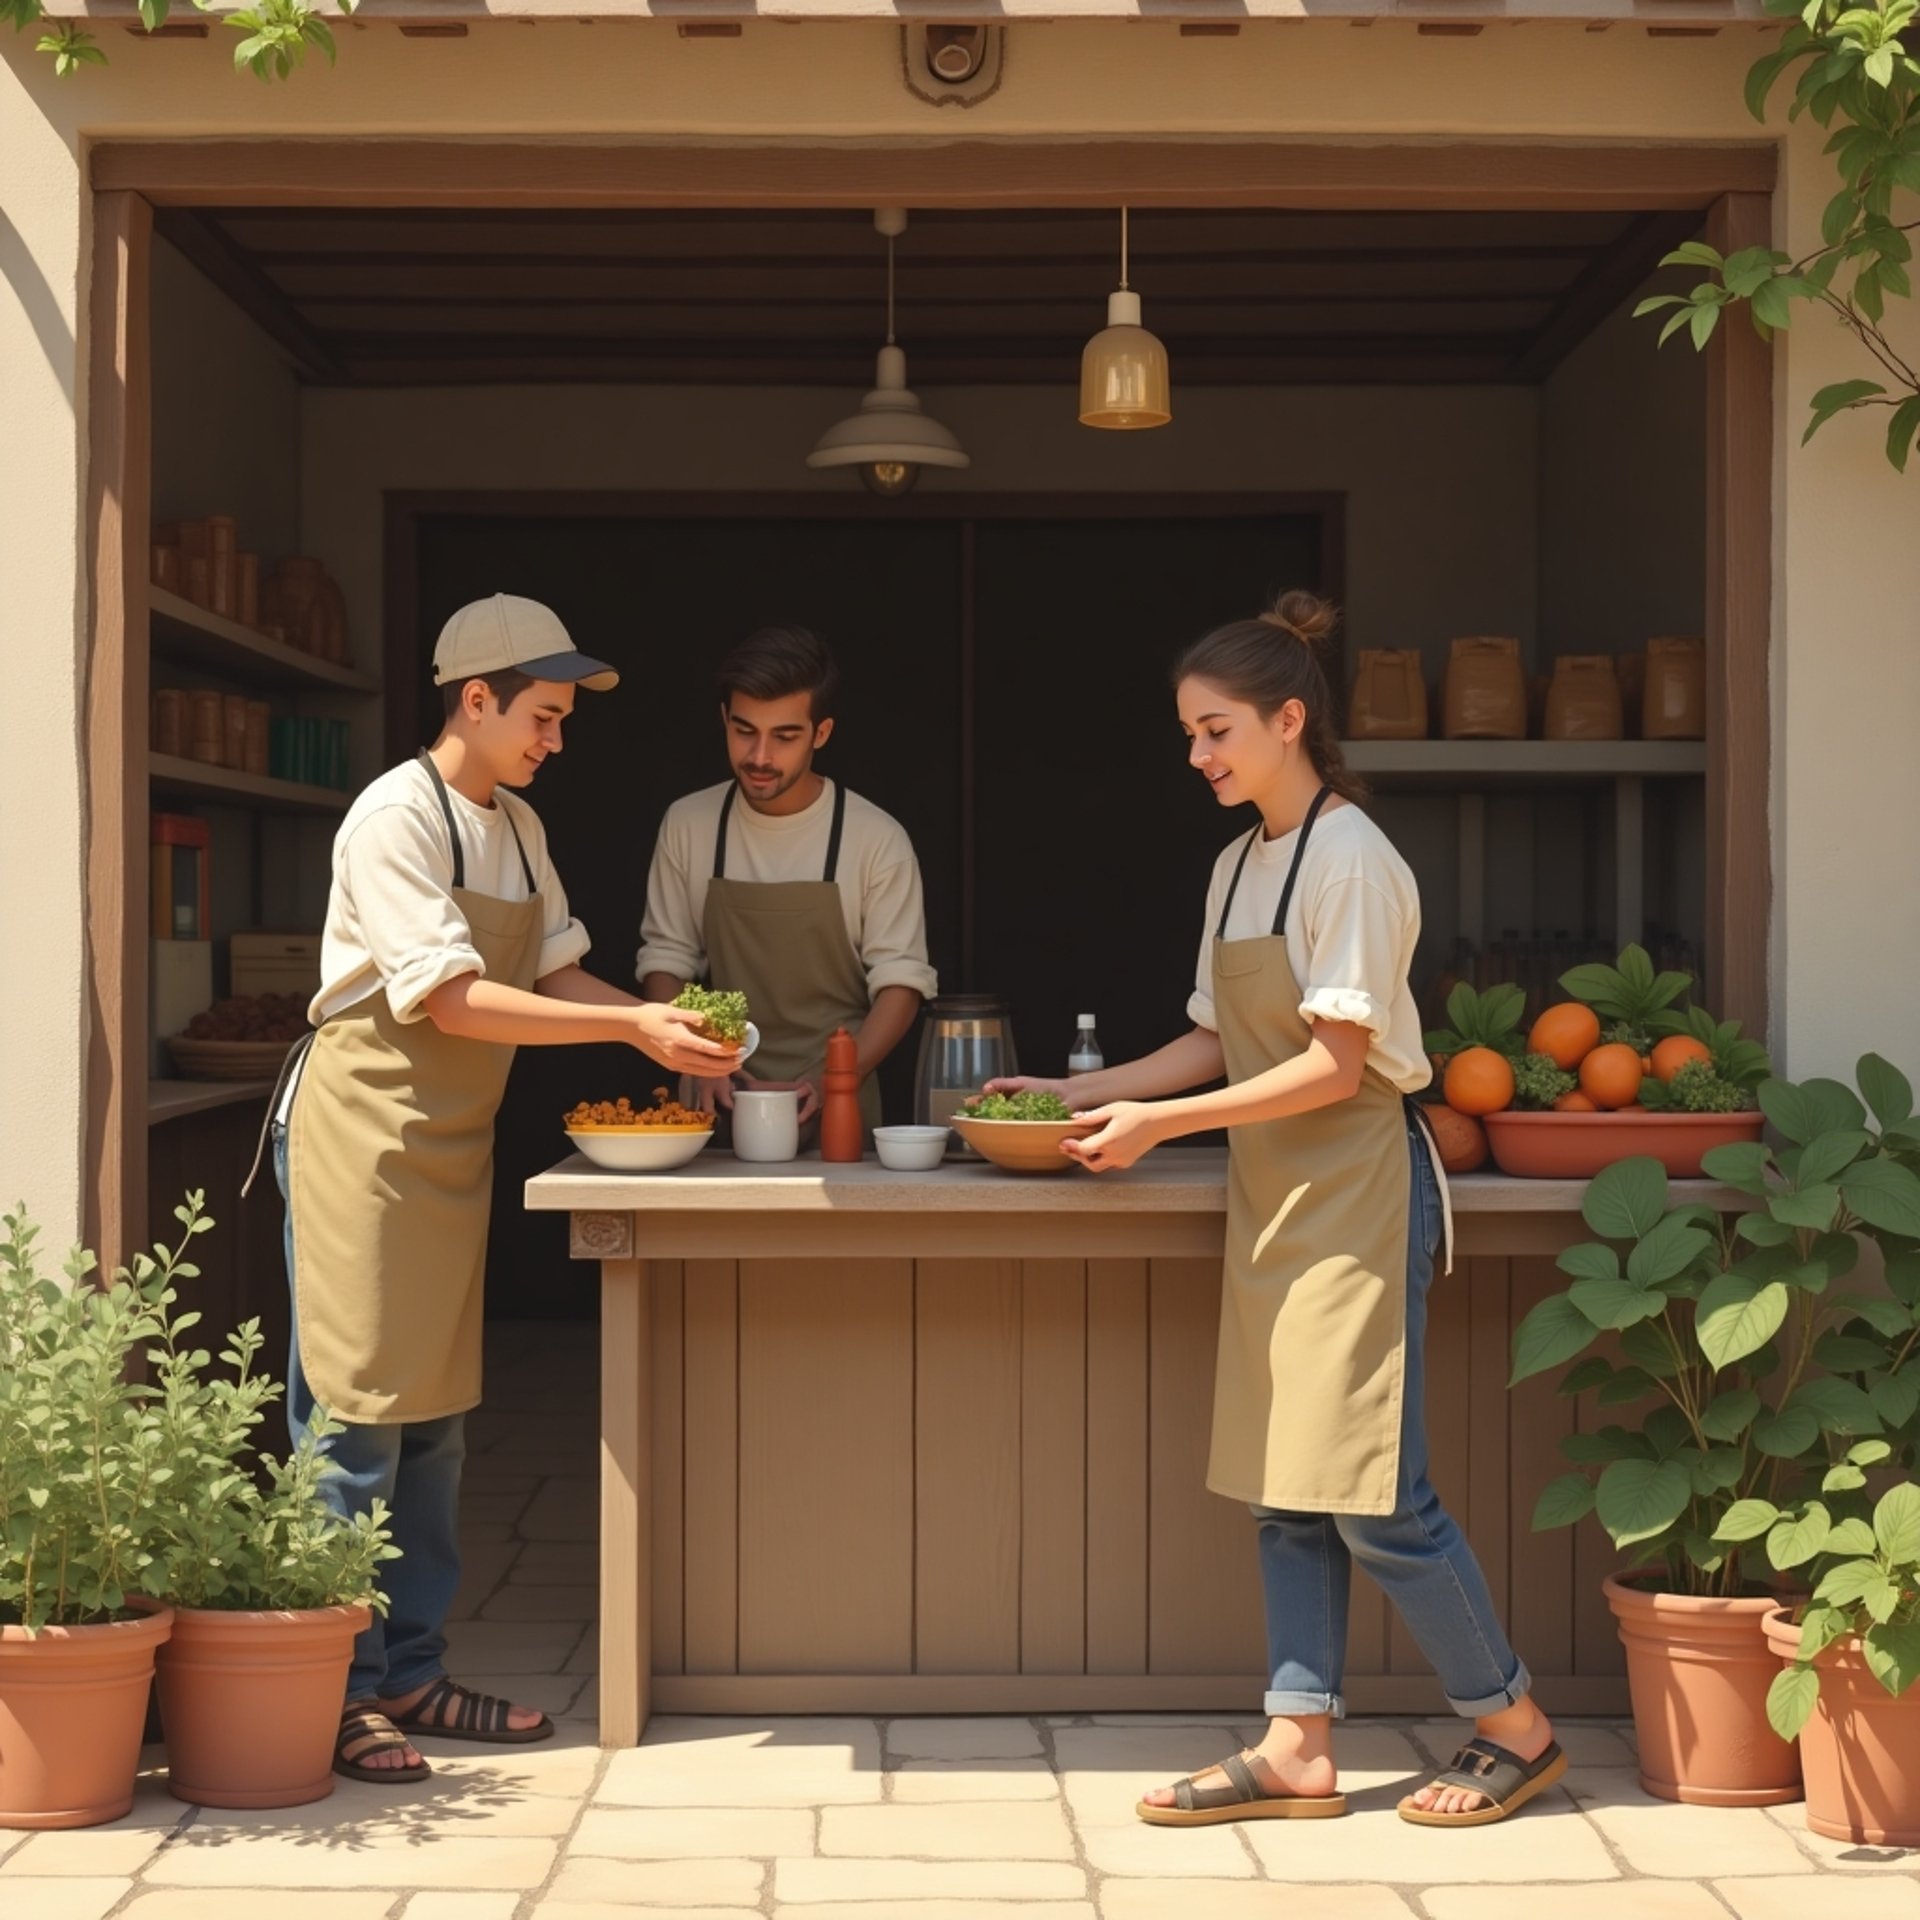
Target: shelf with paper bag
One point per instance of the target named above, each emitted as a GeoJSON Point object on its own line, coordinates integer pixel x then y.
{"type": "Point", "coordinates": [191, 635]}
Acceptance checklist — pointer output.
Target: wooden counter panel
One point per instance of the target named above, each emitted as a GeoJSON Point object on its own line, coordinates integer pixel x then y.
{"type": "Point", "coordinates": [979, 1483]}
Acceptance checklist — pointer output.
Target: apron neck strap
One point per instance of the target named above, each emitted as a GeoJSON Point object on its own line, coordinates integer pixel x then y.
{"type": "Point", "coordinates": [834, 833]}
{"type": "Point", "coordinates": [1293, 871]}
{"type": "Point", "coordinates": [453, 830]}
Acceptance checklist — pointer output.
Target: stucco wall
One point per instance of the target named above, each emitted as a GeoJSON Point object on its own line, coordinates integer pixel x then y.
{"type": "Point", "coordinates": [1846, 678]}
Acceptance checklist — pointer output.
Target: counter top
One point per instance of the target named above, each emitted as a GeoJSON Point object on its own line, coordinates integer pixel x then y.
{"type": "Point", "coordinates": [1181, 1180]}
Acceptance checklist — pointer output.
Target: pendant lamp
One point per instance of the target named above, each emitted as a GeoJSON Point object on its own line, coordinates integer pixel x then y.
{"type": "Point", "coordinates": [889, 440]}
{"type": "Point", "coordinates": [1123, 371]}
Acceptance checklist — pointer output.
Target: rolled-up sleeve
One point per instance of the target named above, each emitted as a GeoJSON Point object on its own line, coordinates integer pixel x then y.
{"type": "Point", "coordinates": [1356, 937]}
{"type": "Point", "coordinates": [400, 880]}
{"type": "Point", "coordinates": [670, 940]}
{"type": "Point", "coordinates": [893, 931]}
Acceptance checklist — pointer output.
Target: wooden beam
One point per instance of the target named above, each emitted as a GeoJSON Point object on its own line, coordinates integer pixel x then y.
{"type": "Point", "coordinates": [119, 440]}
{"type": "Point", "coordinates": [1608, 280]}
{"type": "Point", "coordinates": [205, 244]}
{"type": "Point", "coordinates": [1739, 638]}
{"type": "Point", "coordinates": [977, 173]}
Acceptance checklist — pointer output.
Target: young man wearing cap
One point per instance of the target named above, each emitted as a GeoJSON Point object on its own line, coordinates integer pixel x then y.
{"type": "Point", "coordinates": [807, 899]}
{"type": "Point", "coordinates": [448, 943]}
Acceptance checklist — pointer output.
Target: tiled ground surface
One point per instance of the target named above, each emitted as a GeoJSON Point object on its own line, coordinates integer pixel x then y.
{"type": "Point", "coordinates": [860, 1819]}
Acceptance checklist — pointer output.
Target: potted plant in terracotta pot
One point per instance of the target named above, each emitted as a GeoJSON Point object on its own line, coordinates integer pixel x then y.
{"type": "Point", "coordinates": [268, 1586]}
{"type": "Point", "coordinates": [1851, 1655]}
{"type": "Point", "coordinates": [80, 1473]}
{"type": "Point", "coordinates": [1754, 1377]}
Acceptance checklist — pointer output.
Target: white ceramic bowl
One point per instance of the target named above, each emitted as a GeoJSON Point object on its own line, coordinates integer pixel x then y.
{"type": "Point", "coordinates": [910, 1149]}
{"type": "Point", "coordinates": [751, 1044]}
{"type": "Point", "coordinates": [639, 1149]}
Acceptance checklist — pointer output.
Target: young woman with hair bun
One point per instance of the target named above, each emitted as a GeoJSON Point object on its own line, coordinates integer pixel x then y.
{"type": "Point", "coordinates": [1336, 1214]}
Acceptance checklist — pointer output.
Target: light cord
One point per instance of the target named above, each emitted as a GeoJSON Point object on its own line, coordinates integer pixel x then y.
{"type": "Point", "coordinates": [1123, 249]}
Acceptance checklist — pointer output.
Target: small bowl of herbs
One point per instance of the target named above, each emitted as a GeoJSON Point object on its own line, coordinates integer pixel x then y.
{"type": "Point", "coordinates": [1021, 1132]}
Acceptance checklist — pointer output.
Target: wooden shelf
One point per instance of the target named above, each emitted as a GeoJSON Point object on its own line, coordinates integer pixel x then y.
{"type": "Point", "coordinates": [189, 635]}
{"type": "Point", "coordinates": [1457, 763]}
{"type": "Point", "coordinates": [172, 1099]}
{"type": "Point", "coordinates": [222, 785]}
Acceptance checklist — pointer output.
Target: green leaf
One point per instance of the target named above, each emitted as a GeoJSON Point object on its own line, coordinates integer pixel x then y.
{"type": "Point", "coordinates": [1787, 1434]}
{"type": "Point", "coordinates": [1868, 1453]}
{"type": "Point", "coordinates": [1903, 1277]}
{"type": "Point", "coordinates": [1762, 1230]}
{"type": "Point", "coordinates": [1627, 1199]}
{"type": "Point", "coordinates": [1552, 1332]}
{"type": "Point", "coordinates": [1590, 1261]}
{"type": "Point", "coordinates": [1760, 78]}
{"type": "Point", "coordinates": [1885, 1195]}
{"type": "Point", "coordinates": [1879, 66]}
{"type": "Point", "coordinates": [1794, 1540]}
{"type": "Point", "coordinates": [1882, 1599]}
{"type": "Point", "coordinates": [1851, 1536]}
{"type": "Point", "coordinates": [1616, 1303]}
{"type": "Point", "coordinates": [1847, 1353]}
{"type": "Point", "coordinates": [1746, 1520]}
{"type": "Point", "coordinates": [1639, 1499]}
{"type": "Point", "coordinates": [1843, 1586]}
{"type": "Point", "coordinates": [1892, 1652]}
{"type": "Point", "coordinates": [1789, 1109]}
{"type": "Point", "coordinates": [1646, 1345]}
{"type": "Point", "coordinates": [1812, 1207]}
{"type": "Point", "coordinates": [1610, 1443]}
{"type": "Point", "coordinates": [1737, 1316]}
{"type": "Point", "coordinates": [1563, 1501]}
{"type": "Point", "coordinates": [1905, 423]}
{"type": "Point", "coordinates": [1884, 1316]}
{"type": "Point", "coordinates": [1588, 1374]}
{"type": "Point", "coordinates": [1827, 1154]}
{"type": "Point", "coordinates": [1839, 1405]}
{"type": "Point", "coordinates": [1691, 253]}
{"type": "Point", "coordinates": [1842, 1479]}
{"type": "Point", "coordinates": [1626, 1386]}
{"type": "Point", "coordinates": [1896, 1523]}
{"type": "Point", "coordinates": [1833, 1105]}
{"type": "Point", "coordinates": [1888, 1091]}
{"type": "Point", "coordinates": [1742, 1165]}
{"type": "Point", "coordinates": [1667, 1252]}
{"type": "Point", "coordinates": [1791, 1698]}
{"type": "Point", "coordinates": [1895, 1398]}
{"type": "Point", "coordinates": [1731, 1414]}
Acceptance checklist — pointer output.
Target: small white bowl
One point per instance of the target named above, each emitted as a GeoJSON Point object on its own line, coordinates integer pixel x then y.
{"type": "Point", "coordinates": [910, 1149]}
{"type": "Point", "coordinates": [750, 1045]}
{"type": "Point", "coordinates": [640, 1149]}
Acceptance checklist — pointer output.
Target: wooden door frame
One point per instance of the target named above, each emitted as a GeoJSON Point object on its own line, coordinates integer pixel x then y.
{"type": "Point", "coordinates": [1730, 184]}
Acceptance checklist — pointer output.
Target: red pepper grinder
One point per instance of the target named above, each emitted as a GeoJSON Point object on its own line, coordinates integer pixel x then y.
{"type": "Point", "coordinates": [841, 1133]}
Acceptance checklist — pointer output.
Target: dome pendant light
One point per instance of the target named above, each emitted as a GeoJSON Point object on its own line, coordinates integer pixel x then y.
{"type": "Point", "coordinates": [889, 440]}
{"type": "Point", "coordinates": [1123, 371]}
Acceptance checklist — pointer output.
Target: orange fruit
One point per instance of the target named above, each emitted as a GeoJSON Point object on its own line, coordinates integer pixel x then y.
{"type": "Point", "coordinates": [1479, 1081]}
{"type": "Point", "coordinates": [1574, 1103]}
{"type": "Point", "coordinates": [1675, 1052]}
{"type": "Point", "coordinates": [1461, 1139]}
{"type": "Point", "coordinates": [1566, 1034]}
{"type": "Point", "coordinates": [1610, 1076]}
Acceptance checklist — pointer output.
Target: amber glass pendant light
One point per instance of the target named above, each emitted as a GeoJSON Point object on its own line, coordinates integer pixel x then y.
{"type": "Point", "coordinates": [1123, 372]}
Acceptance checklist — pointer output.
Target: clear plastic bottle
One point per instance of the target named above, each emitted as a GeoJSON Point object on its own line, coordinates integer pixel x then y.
{"type": "Point", "coordinates": [1086, 1056]}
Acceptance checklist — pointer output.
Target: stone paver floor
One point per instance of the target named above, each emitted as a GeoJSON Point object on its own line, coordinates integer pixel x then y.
{"type": "Point", "coordinates": [859, 1818]}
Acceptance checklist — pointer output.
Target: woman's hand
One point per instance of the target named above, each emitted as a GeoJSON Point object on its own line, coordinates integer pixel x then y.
{"type": "Point", "coordinates": [670, 1035]}
{"type": "Point", "coordinates": [1026, 1083]}
{"type": "Point", "coordinates": [1129, 1131]}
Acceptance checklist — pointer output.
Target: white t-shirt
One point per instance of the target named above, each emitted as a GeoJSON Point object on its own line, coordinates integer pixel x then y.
{"type": "Point", "coordinates": [878, 877]}
{"type": "Point", "coordinates": [1351, 930]}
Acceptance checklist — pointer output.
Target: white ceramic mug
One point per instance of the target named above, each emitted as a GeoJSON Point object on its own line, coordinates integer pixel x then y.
{"type": "Point", "coordinates": [766, 1126]}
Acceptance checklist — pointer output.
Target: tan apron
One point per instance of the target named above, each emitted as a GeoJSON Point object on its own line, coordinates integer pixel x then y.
{"type": "Point", "coordinates": [390, 1183]}
{"type": "Point", "coordinates": [1313, 1307]}
{"type": "Point", "coordinates": [783, 943]}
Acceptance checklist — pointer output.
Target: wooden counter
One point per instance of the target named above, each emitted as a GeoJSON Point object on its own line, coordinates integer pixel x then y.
{"type": "Point", "coordinates": [920, 1443]}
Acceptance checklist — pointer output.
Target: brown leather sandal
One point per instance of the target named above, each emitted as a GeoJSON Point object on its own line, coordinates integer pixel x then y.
{"type": "Point", "coordinates": [1243, 1798]}
{"type": "Point", "coordinates": [1499, 1777]}
{"type": "Point", "coordinates": [365, 1730]}
{"type": "Point", "coordinates": [476, 1716]}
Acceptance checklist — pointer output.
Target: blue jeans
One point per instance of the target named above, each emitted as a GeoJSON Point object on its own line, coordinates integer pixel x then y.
{"type": "Point", "coordinates": [415, 1468]}
{"type": "Point", "coordinates": [1417, 1554]}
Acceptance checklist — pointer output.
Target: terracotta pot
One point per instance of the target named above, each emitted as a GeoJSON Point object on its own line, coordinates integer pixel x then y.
{"type": "Point", "coordinates": [1698, 1671]}
{"type": "Point", "coordinates": [1576, 1146]}
{"type": "Point", "coordinates": [1860, 1750]}
{"type": "Point", "coordinates": [73, 1701]}
{"type": "Point", "coordinates": [251, 1704]}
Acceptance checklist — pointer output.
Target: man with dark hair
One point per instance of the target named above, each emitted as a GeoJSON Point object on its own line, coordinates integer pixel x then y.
{"type": "Point", "coordinates": [806, 898]}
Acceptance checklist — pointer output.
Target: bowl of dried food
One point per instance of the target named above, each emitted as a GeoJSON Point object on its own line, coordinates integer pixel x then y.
{"type": "Point", "coordinates": [627, 1139]}
{"type": "Point", "coordinates": [1021, 1132]}
{"type": "Point", "coordinates": [723, 1017]}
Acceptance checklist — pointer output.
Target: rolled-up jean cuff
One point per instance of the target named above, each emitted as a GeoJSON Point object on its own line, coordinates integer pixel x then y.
{"type": "Point", "coordinates": [1292, 1706]}
{"type": "Point", "coordinates": [1514, 1691]}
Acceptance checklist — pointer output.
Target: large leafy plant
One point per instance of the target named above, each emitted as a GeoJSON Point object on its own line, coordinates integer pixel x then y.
{"type": "Point", "coordinates": [115, 1487]}
{"type": "Point", "coordinates": [1757, 1378]}
{"type": "Point", "coordinates": [1857, 76]}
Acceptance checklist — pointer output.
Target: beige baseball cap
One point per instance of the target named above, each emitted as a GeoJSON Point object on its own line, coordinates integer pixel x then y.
{"type": "Point", "coordinates": [489, 636]}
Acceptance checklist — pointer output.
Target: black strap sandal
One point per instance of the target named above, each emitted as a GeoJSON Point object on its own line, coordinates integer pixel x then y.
{"type": "Point", "coordinates": [1242, 1798]}
{"type": "Point", "coordinates": [364, 1731]}
{"type": "Point", "coordinates": [1502, 1779]}
{"type": "Point", "coordinates": [476, 1716]}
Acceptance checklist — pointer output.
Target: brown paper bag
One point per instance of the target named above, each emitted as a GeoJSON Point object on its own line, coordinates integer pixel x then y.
{"type": "Point", "coordinates": [1486, 690]}
{"type": "Point", "coordinates": [1674, 704]}
{"type": "Point", "coordinates": [1389, 696]}
{"type": "Point", "coordinates": [1583, 702]}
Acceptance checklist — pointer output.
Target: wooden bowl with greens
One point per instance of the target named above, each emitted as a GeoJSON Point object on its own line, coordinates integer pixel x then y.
{"type": "Point", "coordinates": [1021, 1132]}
